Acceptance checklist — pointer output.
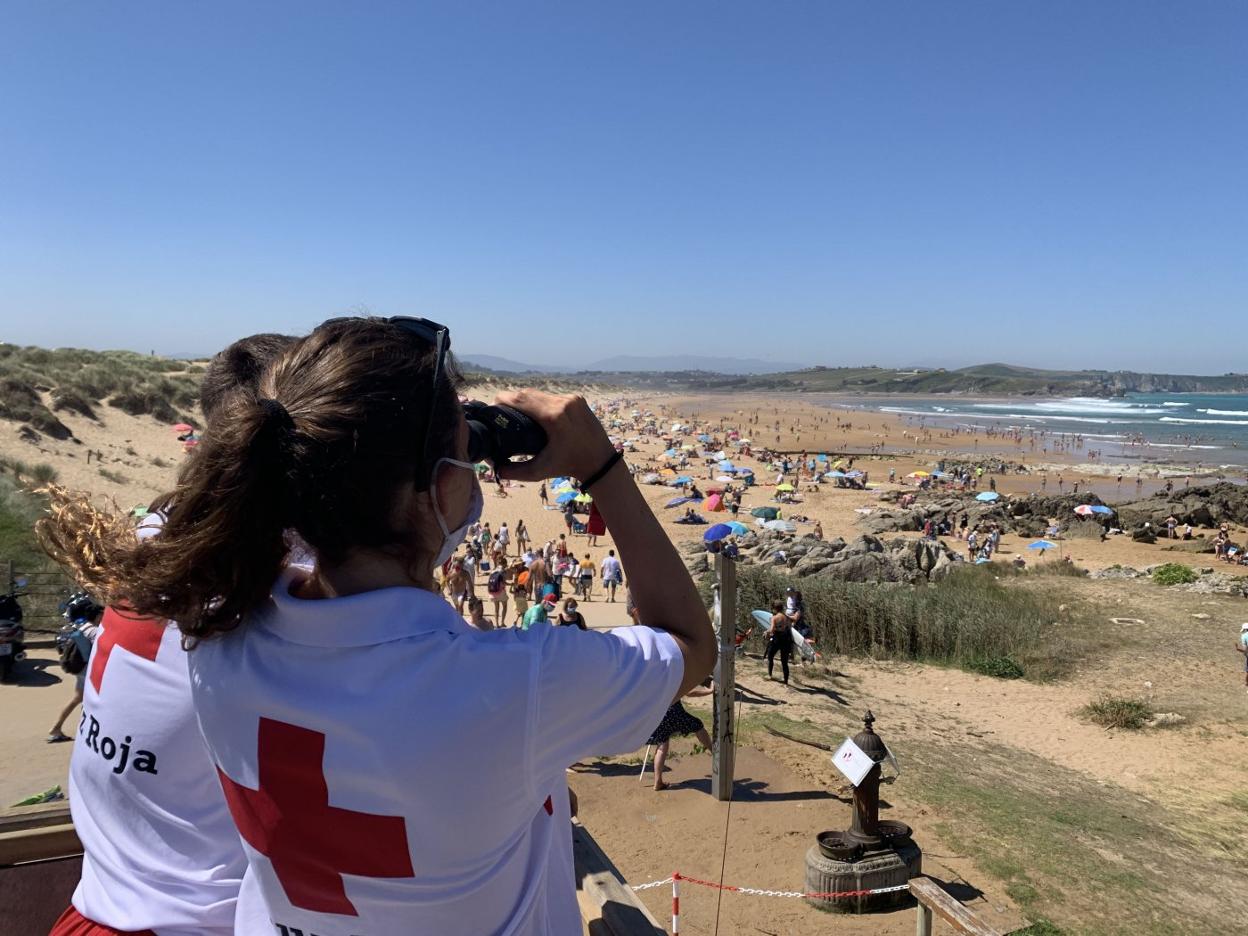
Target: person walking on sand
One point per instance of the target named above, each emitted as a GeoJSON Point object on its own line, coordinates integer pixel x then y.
{"type": "Point", "coordinates": [1242, 647]}
{"type": "Point", "coordinates": [522, 537]}
{"type": "Point", "coordinates": [585, 577]}
{"type": "Point", "coordinates": [543, 496]}
{"type": "Point", "coordinates": [779, 640]}
{"type": "Point", "coordinates": [677, 721]}
{"type": "Point", "coordinates": [503, 538]}
{"type": "Point", "coordinates": [86, 627]}
{"type": "Point", "coordinates": [594, 526]}
{"type": "Point", "coordinates": [612, 575]}
{"type": "Point", "coordinates": [496, 588]}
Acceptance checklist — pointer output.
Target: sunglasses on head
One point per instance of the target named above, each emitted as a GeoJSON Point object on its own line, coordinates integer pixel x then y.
{"type": "Point", "coordinates": [439, 336]}
{"type": "Point", "coordinates": [495, 433]}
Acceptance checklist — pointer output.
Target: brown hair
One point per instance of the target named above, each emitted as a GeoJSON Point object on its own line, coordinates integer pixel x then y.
{"type": "Point", "coordinates": [327, 447]}
{"type": "Point", "coordinates": [238, 367]}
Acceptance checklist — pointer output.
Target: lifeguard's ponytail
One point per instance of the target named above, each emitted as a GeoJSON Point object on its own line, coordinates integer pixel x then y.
{"type": "Point", "coordinates": [323, 447]}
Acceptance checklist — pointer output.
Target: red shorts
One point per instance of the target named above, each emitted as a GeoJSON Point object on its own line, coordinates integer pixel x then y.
{"type": "Point", "coordinates": [73, 923]}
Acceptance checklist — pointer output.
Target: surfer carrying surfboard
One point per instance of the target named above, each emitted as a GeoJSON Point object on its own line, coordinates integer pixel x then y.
{"type": "Point", "coordinates": [779, 640]}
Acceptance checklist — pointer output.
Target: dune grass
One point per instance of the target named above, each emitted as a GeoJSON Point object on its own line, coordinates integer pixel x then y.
{"type": "Point", "coordinates": [968, 619]}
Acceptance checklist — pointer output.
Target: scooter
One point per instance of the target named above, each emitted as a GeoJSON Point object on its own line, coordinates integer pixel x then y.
{"type": "Point", "coordinates": [12, 634]}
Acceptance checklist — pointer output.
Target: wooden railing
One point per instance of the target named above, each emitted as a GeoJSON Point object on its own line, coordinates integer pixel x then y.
{"type": "Point", "coordinates": [934, 901]}
{"type": "Point", "coordinates": [608, 905]}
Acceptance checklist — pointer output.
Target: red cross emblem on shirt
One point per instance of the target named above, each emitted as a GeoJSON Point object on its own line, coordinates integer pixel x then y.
{"type": "Point", "coordinates": [310, 843]}
{"type": "Point", "coordinates": [140, 635]}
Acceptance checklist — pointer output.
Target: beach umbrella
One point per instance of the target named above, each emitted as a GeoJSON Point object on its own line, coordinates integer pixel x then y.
{"type": "Point", "coordinates": [183, 427]}
{"type": "Point", "coordinates": [738, 529]}
{"type": "Point", "coordinates": [704, 438]}
{"type": "Point", "coordinates": [987, 496]}
{"type": "Point", "coordinates": [1084, 510]}
{"type": "Point", "coordinates": [677, 501]}
{"type": "Point", "coordinates": [746, 471]}
{"type": "Point", "coordinates": [784, 487]}
{"type": "Point", "coordinates": [724, 479]}
{"type": "Point", "coordinates": [716, 533]}
{"type": "Point", "coordinates": [584, 499]}
{"type": "Point", "coordinates": [726, 465]}
{"type": "Point", "coordinates": [714, 503]}
{"type": "Point", "coordinates": [766, 513]}
{"type": "Point", "coordinates": [651, 478]}
{"type": "Point", "coordinates": [565, 497]}
{"type": "Point", "coordinates": [780, 526]}
{"type": "Point", "coordinates": [835, 474]}
{"type": "Point", "coordinates": [683, 479]}
{"type": "Point", "coordinates": [918, 474]}
{"type": "Point", "coordinates": [671, 453]}
{"type": "Point", "coordinates": [667, 472]}
{"type": "Point", "coordinates": [1042, 544]}
{"type": "Point", "coordinates": [1102, 509]}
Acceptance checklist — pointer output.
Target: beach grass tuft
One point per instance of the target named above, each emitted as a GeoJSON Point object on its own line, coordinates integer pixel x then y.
{"type": "Point", "coordinates": [1110, 711]}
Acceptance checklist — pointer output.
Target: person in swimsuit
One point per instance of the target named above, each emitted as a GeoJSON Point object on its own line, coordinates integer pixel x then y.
{"type": "Point", "coordinates": [779, 640]}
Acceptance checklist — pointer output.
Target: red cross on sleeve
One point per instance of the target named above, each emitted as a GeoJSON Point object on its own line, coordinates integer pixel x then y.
{"type": "Point", "coordinates": [311, 844]}
{"type": "Point", "coordinates": [139, 635]}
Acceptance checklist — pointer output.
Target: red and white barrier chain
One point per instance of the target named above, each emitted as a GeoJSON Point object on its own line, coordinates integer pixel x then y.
{"type": "Point", "coordinates": [677, 877]}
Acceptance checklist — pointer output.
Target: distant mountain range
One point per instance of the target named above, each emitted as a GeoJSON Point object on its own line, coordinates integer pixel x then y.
{"type": "Point", "coordinates": [1003, 380]}
{"type": "Point", "coordinates": [635, 364]}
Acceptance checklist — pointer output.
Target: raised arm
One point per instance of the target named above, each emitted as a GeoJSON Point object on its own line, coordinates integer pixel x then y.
{"type": "Point", "coordinates": [662, 589]}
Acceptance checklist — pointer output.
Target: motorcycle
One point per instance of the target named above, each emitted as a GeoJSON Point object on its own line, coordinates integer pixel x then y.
{"type": "Point", "coordinates": [12, 633]}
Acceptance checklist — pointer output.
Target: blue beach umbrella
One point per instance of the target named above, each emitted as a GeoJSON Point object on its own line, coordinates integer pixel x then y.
{"type": "Point", "coordinates": [1042, 544]}
{"type": "Point", "coordinates": [987, 496]}
{"type": "Point", "coordinates": [718, 532]}
{"type": "Point", "coordinates": [740, 529]}
{"type": "Point", "coordinates": [1101, 509]}
{"type": "Point", "coordinates": [704, 438]}
{"type": "Point", "coordinates": [834, 474]}
{"type": "Point", "coordinates": [677, 501]}
{"type": "Point", "coordinates": [683, 479]}
{"type": "Point", "coordinates": [565, 497]}
{"type": "Point", "coordinates": [726, 465]}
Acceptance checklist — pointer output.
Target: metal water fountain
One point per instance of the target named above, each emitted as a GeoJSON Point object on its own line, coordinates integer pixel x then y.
{"type": "Point", "coordinates": [870, 854]}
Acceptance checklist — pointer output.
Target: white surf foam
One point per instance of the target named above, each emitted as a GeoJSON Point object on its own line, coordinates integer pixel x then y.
{"type": "Point", "coordinates": [1204, 422]}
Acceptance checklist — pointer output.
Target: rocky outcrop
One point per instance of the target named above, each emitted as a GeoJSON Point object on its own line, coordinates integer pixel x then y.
{"type": "Point", "coordinates": [1204, 506]}
{"type": "Point", "coordinates": [1026, 516]}
{"type": "Point", "coordinates": [864, 559]}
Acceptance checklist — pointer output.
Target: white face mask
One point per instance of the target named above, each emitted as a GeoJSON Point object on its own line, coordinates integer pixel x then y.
{"type": "Point", "coordinates": [452, 538]}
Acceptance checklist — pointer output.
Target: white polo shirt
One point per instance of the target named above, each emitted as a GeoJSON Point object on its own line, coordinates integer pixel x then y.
{"type": "Point", "coordinates": [160, 850]}
{"type": "Point", "coordinates": [389, 767]}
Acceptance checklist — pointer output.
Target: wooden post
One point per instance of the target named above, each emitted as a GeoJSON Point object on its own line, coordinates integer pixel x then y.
{"type": "Point", "coordinates": [923, 923]}
{"type": "Point", "coordinates": [722, 763]}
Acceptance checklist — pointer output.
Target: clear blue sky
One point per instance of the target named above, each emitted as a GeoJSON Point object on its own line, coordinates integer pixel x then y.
{"type": "Point", "coordinates": [1048, 183]}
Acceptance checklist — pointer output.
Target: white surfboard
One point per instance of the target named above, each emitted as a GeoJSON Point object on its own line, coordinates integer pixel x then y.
{"type": "Point", "coordinates": [800, 643]}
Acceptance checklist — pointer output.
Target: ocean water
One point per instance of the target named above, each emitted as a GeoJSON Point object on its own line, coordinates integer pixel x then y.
{"type": "Point", "coordinates": [1211, 429]}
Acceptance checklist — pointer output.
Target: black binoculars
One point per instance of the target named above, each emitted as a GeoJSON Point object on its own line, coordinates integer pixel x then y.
{"type": "Point", "coordinates": [498, 433]}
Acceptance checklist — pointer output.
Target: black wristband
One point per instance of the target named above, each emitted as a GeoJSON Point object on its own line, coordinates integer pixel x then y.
{"type": "Point", "coordinates": [616, 457]}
